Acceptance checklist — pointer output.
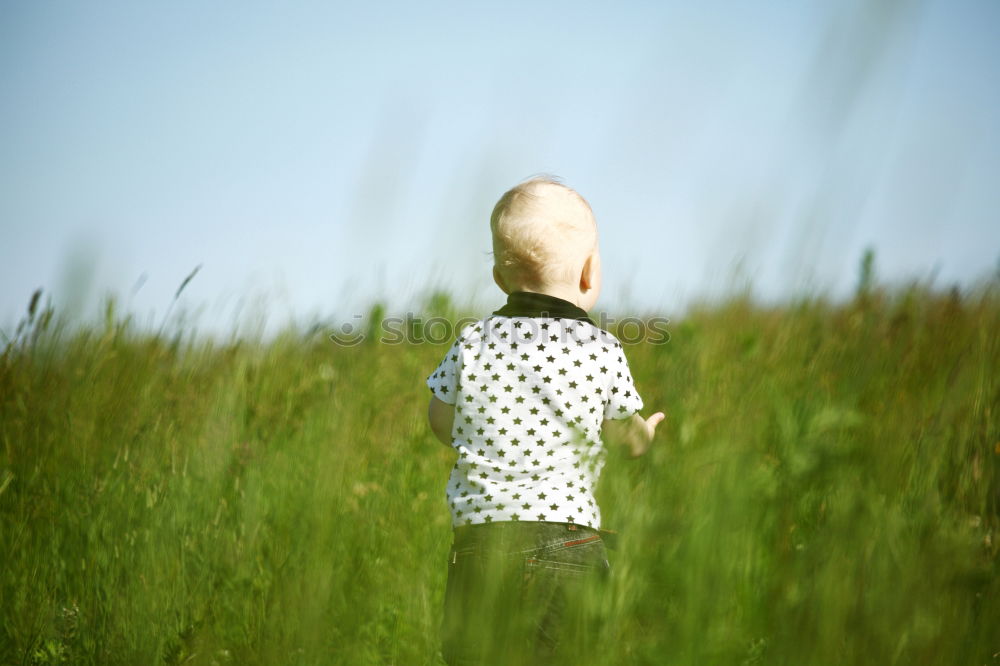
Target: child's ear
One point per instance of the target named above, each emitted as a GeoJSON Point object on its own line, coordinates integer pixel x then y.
{"type": "Point", "coordinates": [587, 274]}
{"type": "Point", "coordinates": [499, 280]}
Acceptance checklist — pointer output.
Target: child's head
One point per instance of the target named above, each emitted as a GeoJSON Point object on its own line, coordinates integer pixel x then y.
{"type": "Point", "coordinates": [545, 240]}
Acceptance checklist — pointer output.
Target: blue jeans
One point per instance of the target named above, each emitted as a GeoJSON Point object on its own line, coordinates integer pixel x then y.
{"type": "Point", "coordinates": [514, 591]}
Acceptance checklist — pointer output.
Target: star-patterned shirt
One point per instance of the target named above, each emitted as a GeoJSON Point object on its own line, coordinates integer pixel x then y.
{"type": "Point", "coordinates": [531, 385]}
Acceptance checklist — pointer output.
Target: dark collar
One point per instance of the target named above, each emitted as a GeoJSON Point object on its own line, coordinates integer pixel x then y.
{"type": "Point", "coordinates": [530, 304]}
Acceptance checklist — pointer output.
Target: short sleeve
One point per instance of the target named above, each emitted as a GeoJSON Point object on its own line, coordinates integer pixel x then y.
{"type": "Point", "coordinates": [622, 398]}
{"type": "Point", "coordinates": [443, 382]}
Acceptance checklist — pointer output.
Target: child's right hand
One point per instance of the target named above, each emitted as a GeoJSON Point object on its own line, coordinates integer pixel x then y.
{"type": "Point", "coordinates": [650, 431]}
{"type": "Point", "coordinates": [637, 433]}
{"type": "Point", "coordinates": [652, 422]}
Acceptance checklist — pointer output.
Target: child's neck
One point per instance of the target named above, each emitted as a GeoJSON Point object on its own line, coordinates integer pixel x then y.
{"type": "Point", "coordinates": [565, 292]}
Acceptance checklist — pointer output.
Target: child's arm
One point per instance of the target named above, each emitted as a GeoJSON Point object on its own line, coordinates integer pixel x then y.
{"type": "Point", "coordinates": [634, 432]}
{"type": "Point", "coordinates": [441, 416]}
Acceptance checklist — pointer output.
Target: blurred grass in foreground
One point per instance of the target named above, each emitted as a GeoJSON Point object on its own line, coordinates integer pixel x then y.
{"type": "Point", "coordinates": [825, 491]}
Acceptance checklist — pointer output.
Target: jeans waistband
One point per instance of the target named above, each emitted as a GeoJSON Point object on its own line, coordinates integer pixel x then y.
{"type": "Point", "coordinates": [521, 526]}
{"type": "Point", "coordinates": [517, 536]}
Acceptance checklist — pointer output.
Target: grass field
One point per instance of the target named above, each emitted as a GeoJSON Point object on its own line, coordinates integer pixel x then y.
{"type": "Point", "coordinates": [825, 490]}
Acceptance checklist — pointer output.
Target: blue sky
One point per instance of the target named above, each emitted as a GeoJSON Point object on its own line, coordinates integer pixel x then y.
{"type": "Point", "coordinates": [313, 157]}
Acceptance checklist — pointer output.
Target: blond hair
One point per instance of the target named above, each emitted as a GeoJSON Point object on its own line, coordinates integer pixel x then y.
{"type": "Point", "coordinates": [543, 232]}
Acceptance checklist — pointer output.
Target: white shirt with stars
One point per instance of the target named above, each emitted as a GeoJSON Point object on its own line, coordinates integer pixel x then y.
{"type": "Point", "coordinates": [530, 394]}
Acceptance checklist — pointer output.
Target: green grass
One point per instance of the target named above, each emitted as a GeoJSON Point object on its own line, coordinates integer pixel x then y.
{"type": "Point", "coordinates": [825, 491]}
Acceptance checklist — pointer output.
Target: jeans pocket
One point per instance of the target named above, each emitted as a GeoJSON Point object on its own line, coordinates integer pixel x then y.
{"type": "Point", "coordinates": [586, 548]}
{"type": "Point", "coordinates": [561, 582]}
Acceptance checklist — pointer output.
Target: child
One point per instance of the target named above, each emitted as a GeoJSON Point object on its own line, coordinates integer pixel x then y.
{"type": "Point", "coordinates": [524, 397]}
